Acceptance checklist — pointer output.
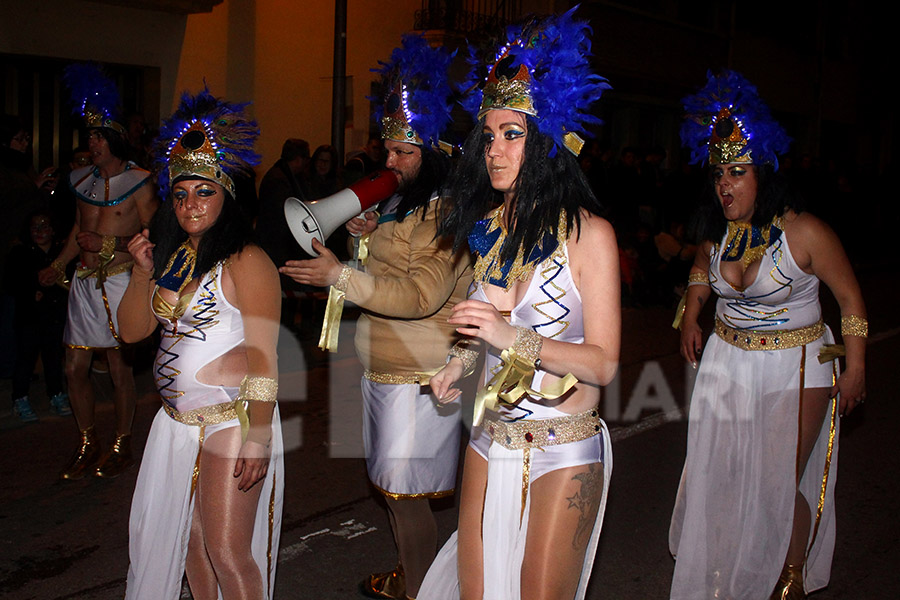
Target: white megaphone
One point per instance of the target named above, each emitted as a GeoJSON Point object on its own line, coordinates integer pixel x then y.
{"type": "Point", "coordinates": [318, 219]}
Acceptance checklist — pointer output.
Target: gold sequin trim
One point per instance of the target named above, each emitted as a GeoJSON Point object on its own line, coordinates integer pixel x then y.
{"type": "Point", "coordinates": [468, 356]}
{"type": "Point", "coordinates": [206, 415]}
{"type": "Point", "coordinates": [528, 344]}
{"type": "Point", "coordinates": [526, 480]}
{"type": "Point", "coordinates": [538, 433]}
{"type": "Point", "coordinates": [378, 377]}
{"type": "Point", "coordinates": [854, 325]}
{"type": "Point", "coordinates": [441, 494]}
{"type": "Point", "coordinates": [488, 267]}
{"type": "Point", "coordinates": [195, 473]}
{"type": "Point", "coordinates": [769, 340]}
{"type": "Point", "coordinates": [343, 279]}
{"type": "Point", "coordinates": [271, 531]}
{"type": "Point", "coordinates": [698, 279]}
{"type": "Point", "coordinates": [260, 389]}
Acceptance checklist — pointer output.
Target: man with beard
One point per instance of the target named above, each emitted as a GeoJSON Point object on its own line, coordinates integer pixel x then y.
{"type": "Point", "coordinates": [412, 281]}
{"type": "Point", "coordinates": [115, 201]}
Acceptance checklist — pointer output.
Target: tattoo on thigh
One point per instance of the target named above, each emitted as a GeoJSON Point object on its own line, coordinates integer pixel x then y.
{"type": "Point", "coordinates": [586, 501]}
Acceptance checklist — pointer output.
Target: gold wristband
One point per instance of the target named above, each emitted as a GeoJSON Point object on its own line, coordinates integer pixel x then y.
{"type": "Point", "coordinates": [259, 389]}
{"type": "Point", "coordinates": [854, 325]}
{"type": "Point", "coordinates": [528, 345]}
{"type": "Point", "coordinates": [698, 279]}
{"type": "Point", "coordinates": [468, 356]}
{"type": "Point", "coordinates": [60, 268]}
{"type": "Point", "coordinates": [343, 279]}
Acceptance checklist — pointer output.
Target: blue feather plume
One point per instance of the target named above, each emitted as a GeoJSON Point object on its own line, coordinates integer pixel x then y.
{"type": "Point", "coordinates": [88, 85]}
{"type": "Point", "coordinates": [555, 50]}
{"type": "Point", "coordinates": [424, 72]}
{"type": "Point", "coordinates": [232, 131]}
{"type": "Point", "coordinates": [766, 139]}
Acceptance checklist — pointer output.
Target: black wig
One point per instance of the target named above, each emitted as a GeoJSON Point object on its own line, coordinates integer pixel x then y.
{"type": "Point", "coordinates": [774, 195]}
{"type": "Point", "coordinates": [545, 187]}
{"type": "Point", "coordinates": [431, 178]}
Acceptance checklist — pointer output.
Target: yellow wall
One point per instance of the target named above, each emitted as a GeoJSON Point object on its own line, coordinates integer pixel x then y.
{"type": "Point", "coordinates": [283, 53]}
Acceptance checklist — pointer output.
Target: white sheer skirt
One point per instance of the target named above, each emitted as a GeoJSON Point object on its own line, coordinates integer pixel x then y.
{"type": "Point", "coordinates": [160, 523]}
{"type": "Point", "coordinates": [734, 512]}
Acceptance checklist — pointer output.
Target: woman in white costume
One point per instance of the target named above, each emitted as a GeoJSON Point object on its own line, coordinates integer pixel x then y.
{"type": "Point", "coordinates": [208, 497]}
{"type": "Point", "coordinates": [547, 291]}
{"type": "Point", "coordinates": [756, 494]}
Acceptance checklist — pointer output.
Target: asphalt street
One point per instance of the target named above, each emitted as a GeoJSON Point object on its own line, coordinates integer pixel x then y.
{"type": "Point", "coordinates": [69, 540]}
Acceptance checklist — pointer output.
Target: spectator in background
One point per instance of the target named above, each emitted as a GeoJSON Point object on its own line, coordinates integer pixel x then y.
{"type": "Point", "coordinates": [287, 178]}
{"type": "Point", "coordinates": [364, 161]}
{"type": "Point", "coordinates": [324, 181]}
{"type": "Point", "coordinates": [18, 197]}
{"type": "Point", "coordinates": [40, 316]}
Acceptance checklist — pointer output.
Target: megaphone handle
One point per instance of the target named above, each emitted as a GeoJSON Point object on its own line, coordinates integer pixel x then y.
{"type": "Point", "coordinates": [361, 216]}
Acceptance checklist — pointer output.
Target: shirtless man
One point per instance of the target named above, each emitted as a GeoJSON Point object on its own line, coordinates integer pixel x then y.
{"type": "Point", "coordinates": [115, 201]}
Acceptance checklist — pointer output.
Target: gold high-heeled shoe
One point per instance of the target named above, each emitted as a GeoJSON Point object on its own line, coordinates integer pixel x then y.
{"type": "Point", "coordinates": [86, 458]}
{"type": "Point", "coordinates": [118, 459]}
{"type": "Point", "coordinates": [385, 585]}
{"type": "Point", "coordinates": [790, 584]}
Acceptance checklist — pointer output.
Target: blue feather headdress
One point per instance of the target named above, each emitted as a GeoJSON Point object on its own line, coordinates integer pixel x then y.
{"type": "Point", "coordinates": [94, 96]}
{"type": "Point", "coordinates": [417, 103]}
{"type": "Point", "coordinates": [542, 70]}
{"type": "Point", "coordinates": [727, 122]}
{"type": "Point", "coordinates": [207, 138]}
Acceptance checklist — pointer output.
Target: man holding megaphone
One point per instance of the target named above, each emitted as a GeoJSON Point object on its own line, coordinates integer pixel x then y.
{"type": "Point", "coordinates": [411, 282]}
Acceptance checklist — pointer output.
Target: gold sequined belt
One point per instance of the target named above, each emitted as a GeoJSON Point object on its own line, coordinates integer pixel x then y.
{"type": "Point", "coordinates": [86, 272]}
{"type": "Point", "coordinates": [537, 433]}
{"type": "Point", "coordinates": [205, 415]}
{"type": "Point", "coordinates": [770, 340]}
{"type": "Point", "coordinates": [390, 378]}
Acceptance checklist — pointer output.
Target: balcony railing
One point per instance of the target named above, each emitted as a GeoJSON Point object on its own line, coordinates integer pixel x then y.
{"type": "Point", "coordinates": [467, 16]}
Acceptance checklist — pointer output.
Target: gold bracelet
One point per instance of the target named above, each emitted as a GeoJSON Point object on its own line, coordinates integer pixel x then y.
{"type": "Point", "coordinates": [343, 279]}
{"type": "Point", "coordinates": [259, 389]}
{"type": "Point", "coordinates": [854, 325]}
{"type": "Point", "coordinates": [528, 345]}
{"type": "Point", "coordinates": [468, 356]}
{"type": "Point", "coordinates": [698, 279]}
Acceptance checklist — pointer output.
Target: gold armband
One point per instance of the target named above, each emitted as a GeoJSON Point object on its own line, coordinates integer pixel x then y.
{"type": "Point", "coordinates": [331, 324]}
{"type": "Point", "coordinates": [854, 325]}
{"type": "Point", "coordinates": [253, 389]}
{"type": "Point", "coordinates": [698, 279]}
{"type": "Point", "coordinates": [468, 356]}
{"type": "Point", "coordinates": [259, 389]}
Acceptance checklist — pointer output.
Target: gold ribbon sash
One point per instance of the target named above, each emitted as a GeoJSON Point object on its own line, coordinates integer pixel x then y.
{"type": "Point", "coordinates": [331, 324]}
{"type": "Point", "coordinates": [512, 383]}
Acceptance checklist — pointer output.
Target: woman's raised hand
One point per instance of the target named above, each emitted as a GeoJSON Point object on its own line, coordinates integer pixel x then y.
{"type": "Point", "coordinates": [481, 320]}
{"type": "Point", "coordinates": [141, 249]}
